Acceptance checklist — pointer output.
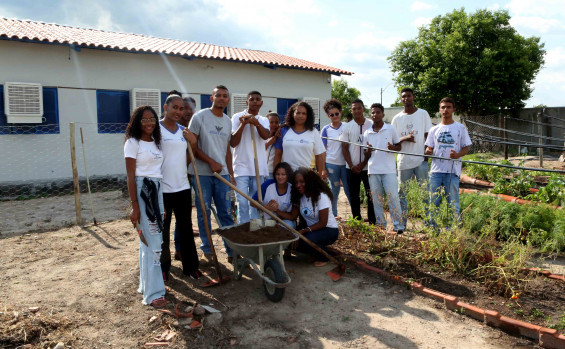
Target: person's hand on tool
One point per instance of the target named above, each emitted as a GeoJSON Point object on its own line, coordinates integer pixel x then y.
{"type": "Point", "coordinates": [272, 206]}
{"type": "Point", "coordinates": [190, 137]}
{"type": "Point", "coordinates": [134, 214]}
{"type": "Point", "coordinates": [367, 151]}
{"type": "Point", "coordinates": [215, 166]}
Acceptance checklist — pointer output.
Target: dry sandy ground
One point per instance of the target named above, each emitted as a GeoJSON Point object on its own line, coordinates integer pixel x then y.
{"type": "Point", "coordinates": [89, 276]}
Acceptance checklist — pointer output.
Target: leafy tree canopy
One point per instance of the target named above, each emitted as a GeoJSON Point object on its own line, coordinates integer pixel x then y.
{"type": "Point", "coordinates": [345, 94]}
{"type": "Point", "coordinates": [477, 59]}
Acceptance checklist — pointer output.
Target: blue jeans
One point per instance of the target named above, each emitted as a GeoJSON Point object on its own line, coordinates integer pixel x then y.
{"type": "Point", "coordinates": [322, 238]}
{"type": "Point", "coordinates": [386, 183]}
{"type": "Point", "coordinates": [248, 185]}
{"type": "Point", "coordinates": [421, 175]}
{"type": "Point", "coordinates": [337, 173]}
{"type": "Point", "coordinates": [450, 184]}
{"type": "Point", "coordinates": [213, 188]}
{"type": "Point", "coordinates": [151, 283]}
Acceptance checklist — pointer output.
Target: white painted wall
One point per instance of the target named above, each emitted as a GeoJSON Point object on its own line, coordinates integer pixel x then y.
{"type": "Point", "coordinates": [77, 75]}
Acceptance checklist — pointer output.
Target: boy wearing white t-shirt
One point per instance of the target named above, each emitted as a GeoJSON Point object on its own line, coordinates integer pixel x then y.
{"type": "Point", "coordinates": [412, 125]}
{"type": "Point", "coordinates": [355, 162]}
{"type": "Point", "coordinates": [449, 140]}
{"type": "Point", "coordinates": [243, 160]}
{"type": "Point", "coordinates": [382, 168]}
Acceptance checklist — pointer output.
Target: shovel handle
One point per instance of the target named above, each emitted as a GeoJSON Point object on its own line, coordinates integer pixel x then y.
{"type": "Point", "coordinates": [257, 177]}
{"type": "Point", "coordinates": [275, 217]}
{"type": "Point", "coordinates": [204, 216]}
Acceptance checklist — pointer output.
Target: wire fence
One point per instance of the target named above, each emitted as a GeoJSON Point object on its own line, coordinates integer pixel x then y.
{"type": "Point", "coordinates": [36, 176]}
{"type": "Point", "coordinates": [496, 133]}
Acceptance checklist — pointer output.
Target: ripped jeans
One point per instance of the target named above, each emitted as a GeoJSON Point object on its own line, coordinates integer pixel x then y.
{"type": "Point", "coordinates": [151, 283]}
{"type": "Point", "coordinates": [337, 173]}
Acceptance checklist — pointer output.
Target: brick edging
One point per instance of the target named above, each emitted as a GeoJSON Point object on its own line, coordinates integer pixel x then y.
{"type": "Point", "coordinates": [546, 337]}
{"type": "Point", "coordinates": [546, 273]}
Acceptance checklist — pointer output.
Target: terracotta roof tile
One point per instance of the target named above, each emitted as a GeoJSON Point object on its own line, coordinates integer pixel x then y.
{"type": "Point", "coordinates": [16, 29]}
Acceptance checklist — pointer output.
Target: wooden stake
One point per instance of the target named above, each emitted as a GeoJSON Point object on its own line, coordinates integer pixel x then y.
{"type": "Point", "coordinates": [75, 174]}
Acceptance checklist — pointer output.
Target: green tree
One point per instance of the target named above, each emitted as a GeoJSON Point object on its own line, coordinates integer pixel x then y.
{"type": "Point", "coordinates": [478, 59]}
{"type": "Point", "coordinates": [345, 94]}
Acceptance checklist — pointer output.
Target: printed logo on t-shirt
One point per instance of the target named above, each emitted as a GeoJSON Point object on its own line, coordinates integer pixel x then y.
{"type": "Point", "coordinates": [219, 131]}
{"type": "Point", "coordinates": [156, 155]}
{"type": "Point", "coordinates": [409, 129]}
{"type": "Point", "coordinates": [445, 139]}
{"type": "Point", "coordinates": [306, 212]}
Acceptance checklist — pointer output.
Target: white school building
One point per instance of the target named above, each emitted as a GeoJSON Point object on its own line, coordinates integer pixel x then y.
{"type": "Point", "coordinates": [53, 75]}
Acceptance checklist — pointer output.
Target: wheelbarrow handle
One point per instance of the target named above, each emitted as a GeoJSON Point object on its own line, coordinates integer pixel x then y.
{"type": "Point", "coordinates": [275, 217]}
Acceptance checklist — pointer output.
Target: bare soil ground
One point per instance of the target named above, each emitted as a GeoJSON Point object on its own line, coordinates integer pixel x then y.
{"type": "Point", "coordinates": [84, 281]}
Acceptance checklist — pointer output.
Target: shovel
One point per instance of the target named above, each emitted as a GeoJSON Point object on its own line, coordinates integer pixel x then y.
{"type": "Point", "coordinates": [257, 178]}
{"type": "Point", "coordinates": [335, 274]}
{"type": "Point", "coordinates": [220, 279]}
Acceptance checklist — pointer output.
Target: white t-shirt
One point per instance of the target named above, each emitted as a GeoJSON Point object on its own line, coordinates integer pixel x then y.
{"type": "Point", "coordinates": [420, 123]}
{"type": "Point", "coordinates": [243, 162]}
{"type": "Point", "coordinates": [214, 135]}
{"type": "Point", "coordinates": [334, 155]}
{"type": "Point", "coordinates": [148, 157]}
{"type": "Point", "coordinates": [299, 148]}
{"type": "Point", "coordinates": [174, 160]}
{"type": "Point", "coordinates": [270, 157]}
{"type": "Point", "coordinates": [353, 132]}
{"type": "Point", "coordinates": [381, 162]}
{"type": "Point", "coordinates": [444, 139]}
{"type": "Point", "coordinates": [271, 193]}
{"type": "Point", "coordinates": [311, 215]}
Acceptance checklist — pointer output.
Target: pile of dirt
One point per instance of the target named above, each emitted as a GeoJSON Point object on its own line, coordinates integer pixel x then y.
{"type": "Point", "coordinates": [242, 235]}
{"type": "Point", "coordinates": [33, 326]}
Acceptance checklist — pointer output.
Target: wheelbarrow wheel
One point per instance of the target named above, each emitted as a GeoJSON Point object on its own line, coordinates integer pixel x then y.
{"type": "Point", "coordinates": [274, 271]}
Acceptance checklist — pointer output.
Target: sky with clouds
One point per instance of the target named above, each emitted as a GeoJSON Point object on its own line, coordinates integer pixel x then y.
{"type": "Point", "coordinates": [355, 35]}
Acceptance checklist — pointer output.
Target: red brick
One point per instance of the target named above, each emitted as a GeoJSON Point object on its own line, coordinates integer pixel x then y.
{"type": "Point", "coordinates": [492, 318]}
{"type": "Point", "coordinates": [471, 311]}
{"type": "Point", "coordinates": [438, 296]}
{"type": "Point", "coordinates": [519, 328]}
{"type": "Point", "coordinates": [549, 338]}
{"type": "Point", "coordinates": [451, 302]}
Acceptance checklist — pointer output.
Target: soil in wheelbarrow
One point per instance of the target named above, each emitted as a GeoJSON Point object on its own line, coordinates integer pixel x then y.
{"type": "Point", "coordinates": [242, 235]}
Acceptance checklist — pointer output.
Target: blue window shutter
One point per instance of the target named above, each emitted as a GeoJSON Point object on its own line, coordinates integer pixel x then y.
{"type": "Point", "coordinates": [163, 99]}
{"type": "Point", "coordinates": [283, 104]}
{"type": "Point", "coordinates": [4, 128]}
{"type": "Point", "coordinates": [50, 112]}
{"type": "Point", "coordinates": [112, 111]}
{"type": "Point", "coordinates": [50, 124]}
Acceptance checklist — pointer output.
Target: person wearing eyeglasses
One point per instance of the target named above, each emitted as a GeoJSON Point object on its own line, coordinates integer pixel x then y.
{"type": "Point", "coordinates": [143, 155]}
{"type": "Point", "coordinates": [335, 162]}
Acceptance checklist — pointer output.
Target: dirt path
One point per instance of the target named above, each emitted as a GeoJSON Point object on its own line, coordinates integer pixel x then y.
{"type": "Point", "coordinates": [88, 277]}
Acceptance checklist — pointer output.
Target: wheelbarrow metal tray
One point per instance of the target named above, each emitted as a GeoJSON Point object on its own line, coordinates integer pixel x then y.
{"type": "Point", "coordinates": [251, 251]}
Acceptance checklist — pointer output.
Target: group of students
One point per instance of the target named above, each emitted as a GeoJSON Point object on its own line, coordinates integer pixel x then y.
{"type": "Point", "coordinates": [411, 132]}
{"type": "Point", "coordinates": [156, 164]}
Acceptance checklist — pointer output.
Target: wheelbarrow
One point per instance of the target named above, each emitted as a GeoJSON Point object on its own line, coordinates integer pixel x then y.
{"type": "Point", "coordinates": [267, 261]}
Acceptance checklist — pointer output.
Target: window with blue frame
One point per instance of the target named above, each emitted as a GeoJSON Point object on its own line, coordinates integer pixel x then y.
{"type": "Point", "coordinates": [50, 124]}
{"type": "Point", "coordinates": [283, 104]}
{"type": "Point", "coordinates": [112, 111]}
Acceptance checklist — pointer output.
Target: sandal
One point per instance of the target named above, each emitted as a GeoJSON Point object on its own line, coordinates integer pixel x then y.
{"type": "Point", "coordinates": [159, 302]}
